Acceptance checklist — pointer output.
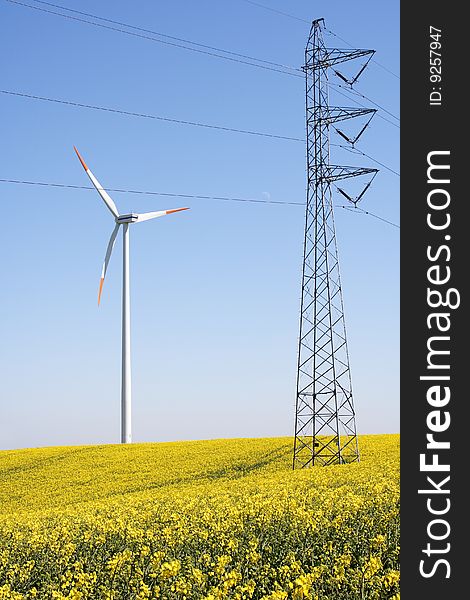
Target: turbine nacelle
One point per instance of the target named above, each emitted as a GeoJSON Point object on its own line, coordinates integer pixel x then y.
{"type": "Point", "coordinates": [132, 218]}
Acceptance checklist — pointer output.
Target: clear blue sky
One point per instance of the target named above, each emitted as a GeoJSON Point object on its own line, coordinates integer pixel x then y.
{"type": "Point", "coordinates": [215, 290]}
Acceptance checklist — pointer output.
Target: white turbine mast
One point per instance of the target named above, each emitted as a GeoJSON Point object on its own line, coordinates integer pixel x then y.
{"type": "Point", "coordinates": [124, 221]}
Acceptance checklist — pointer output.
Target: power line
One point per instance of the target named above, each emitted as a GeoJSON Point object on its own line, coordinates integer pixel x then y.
{"type": "Point", "coordinates": [179, 121]}
{"type": "Point", "coordinates": [183, 122]}
{"type": "Point", "coordinates": [171, 37]}
{"type": "Point", "coordinates": [372, 60]}
{"type": "Point", "coordinates": [174, 195]}
{"type": "Point", "coordinates": [374, 103]}
{"type": "Point", "coordinates": [282, 70]}
{"type": "Point", "coordinates": [147, 37]}
{"type": "Point", "coordinates": [279, 12]}
{"type": "Point", "coordinates": [366, 212]}
{"type": "Point", "coordinates": [354, 91]}
{"type": "Point", "coordinates": [148, 116]}
{"type": "Point", "coordinates": [357, 151]}
{"type": "Point", "coordinates": [359, 104]}
{"type": "Point", "coordinates": [148, 193]}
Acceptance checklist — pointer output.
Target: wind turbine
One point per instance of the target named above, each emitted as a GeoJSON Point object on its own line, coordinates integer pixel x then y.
{"type": "Point", "coordinates": [124, 221]}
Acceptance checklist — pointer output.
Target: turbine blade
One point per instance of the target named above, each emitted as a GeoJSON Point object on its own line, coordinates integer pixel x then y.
{"type": "Point", "coordinates": [99, 188]}
{"type": "Point", "coordinates": [159, 213]}
{"type": "Point", "coordinates": [109, 250]}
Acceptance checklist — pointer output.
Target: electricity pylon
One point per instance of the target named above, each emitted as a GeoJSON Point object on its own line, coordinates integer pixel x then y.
{"type": "Point", "coordinates": [325, 421]}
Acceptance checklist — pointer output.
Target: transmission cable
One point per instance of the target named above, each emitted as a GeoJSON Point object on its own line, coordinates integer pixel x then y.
{"type": "Point", "coordinates": [279, 12]}
{"type": "Point", "coordinates": [366, 212]}
{"type": "Point", "coordinates": [183, 122]}
{"type": "Point", "coordinates": [296, 71]}
{"type": "Point", "coordinates": [170, 37]}
{"type": "Point", "coordinates": [354, 91]}
{"type": "Point", "coordinates": [174, 195]}
{"type": "Point", "coordinates": [351, 46]}
{"type": "Point", "coordinates": [147, 116]}
{"type": "Point", "coordinates": [148, 193]}
{"type": "Point", "coordinates": [362, 105]}
{"type": "Point", "coordinates": [327, 30]}
{"type": "Point", "coordinates": [357, 151]}
{"type": "Point", "coordinates": [153, 39]}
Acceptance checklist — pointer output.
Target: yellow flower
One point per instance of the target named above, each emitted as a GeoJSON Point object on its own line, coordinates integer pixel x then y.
{"type": "Point", "coordinates": [170, 569]}
{"type": "Point", "coordinates": [198, 520]}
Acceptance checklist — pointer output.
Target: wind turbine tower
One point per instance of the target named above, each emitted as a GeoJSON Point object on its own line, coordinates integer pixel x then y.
{"type": "Point", "coordinates": [122, 221]}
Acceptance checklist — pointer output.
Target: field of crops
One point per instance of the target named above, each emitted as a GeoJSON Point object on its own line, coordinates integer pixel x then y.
{"type": "Point", "coordinates": [200, 520]}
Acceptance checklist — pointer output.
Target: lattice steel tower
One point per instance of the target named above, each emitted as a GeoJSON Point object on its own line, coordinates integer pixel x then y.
{"type": "Point", "coordinates": [325, 427]}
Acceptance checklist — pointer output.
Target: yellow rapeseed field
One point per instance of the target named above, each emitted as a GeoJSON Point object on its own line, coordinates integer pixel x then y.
{"type": "Point", "coordinates": [199, 520]}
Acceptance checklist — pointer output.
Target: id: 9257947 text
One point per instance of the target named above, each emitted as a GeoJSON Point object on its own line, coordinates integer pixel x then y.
{"type": "Point", "coordinates": [435, 66]}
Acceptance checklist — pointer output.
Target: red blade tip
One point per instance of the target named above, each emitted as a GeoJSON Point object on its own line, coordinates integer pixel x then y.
{"type": "Point", "coordinates": [81, 159]}
{"type": "Point", "coordinates": [173, 210]}
{"type": "Point", "coordinates": [100, 290]}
